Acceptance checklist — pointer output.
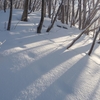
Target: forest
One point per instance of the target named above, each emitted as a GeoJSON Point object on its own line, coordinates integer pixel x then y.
{"type": "Point", "coordinates": [85, 14]}
{"type": "Point", "coordinates": [49, 49]}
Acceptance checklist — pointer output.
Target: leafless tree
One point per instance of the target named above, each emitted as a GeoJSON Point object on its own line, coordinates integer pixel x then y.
{"type": "Point", "coordinates": [42, 17]}
{"type": "Point", "coordinates": [10, 16]}
{"type": "Point", "coordinates": [25, 12]}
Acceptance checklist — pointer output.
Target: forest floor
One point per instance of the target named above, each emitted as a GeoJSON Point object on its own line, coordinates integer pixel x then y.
{"type": "Point", "coordinates": [39, 67]}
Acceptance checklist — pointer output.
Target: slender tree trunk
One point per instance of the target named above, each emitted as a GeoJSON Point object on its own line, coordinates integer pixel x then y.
{"type": "Point", "coordinates": [53, 13]}
{"type": "Point", "coordinates": [49, 8]}
{"type": "Point", "coordinates": [69, 16]}
{"type": "Point", "coordinates": [45, 9]}
{"type": "Point", "coordinates": [76, 14]}
{"type": "Point", "coordinates": [80, 14]}
{"type": "Point", "coordinates": [84, 13]}
{"type": "Point", "coordinates": [5, 4]}
{"type": "Point", "coordinates": [83, 32]}
{"type": "Point", "coordinates": [30, 4]}
{"type": "Point", "coordinates": [10, 16]}
{"type": "Point", "coordinates": [91, 49]}
{"type": "Point", "coordinates": [49, 28]}
{"type": "Point", "coordinates": [33, 8]}
{"type": "Point", "coordinates": [63, 13]}
{"type": "Point", "coordinates": [73, 13]}
{"type": "Point", "coordinates": [67, 13]}
{"type": "Point", "coordinates": [91, 15]}
{"type": "Point", "coordinates": [42, 18]}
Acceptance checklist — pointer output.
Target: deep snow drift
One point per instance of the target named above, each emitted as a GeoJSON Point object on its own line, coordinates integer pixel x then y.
{"type": "Point", "coordinates": [38, 66]}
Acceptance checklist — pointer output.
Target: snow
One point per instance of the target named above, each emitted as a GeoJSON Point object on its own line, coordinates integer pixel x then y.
{"type": "Point", "coordinates": [39, 67]}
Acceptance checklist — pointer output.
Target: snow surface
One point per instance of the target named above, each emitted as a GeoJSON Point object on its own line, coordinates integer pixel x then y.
{"type": "Point", "coordinates": [38, 66]}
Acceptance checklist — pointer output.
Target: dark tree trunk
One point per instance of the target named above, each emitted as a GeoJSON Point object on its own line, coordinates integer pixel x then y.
{"type": "Point", "coordinates": [42, 18]}
{"type": "Point", "coordinates": [49, 8]}
{"type": "Point", "coordinates": [63, 13]}
{"type": "Point", "coordinates": [49, 28]}
{"type": "Point", "coordinates": [25, 12]}
{"type": "Point", "coordinates": [80, 13]}
{"type": "Point", "coordinates": [85, 30]}
{"type": "Point", "coordinates": [10, 16]}
{"type": "Point", "coordinates": [67, 12]}
{"type": "Point", "coordinates": [45, 9]}
{"type": "Point", "coordinates": [5, 4]}
{"type": "Point", "coordinates": [33, 8]}
{"type": "Point", "coordinates": [73, 18]}
{"type": "Point", "coordinates": [30, 4]}
{"type": "Point", "coordinates": [91, 49]}
{"type": "Point", "coordinates": [84, 14]}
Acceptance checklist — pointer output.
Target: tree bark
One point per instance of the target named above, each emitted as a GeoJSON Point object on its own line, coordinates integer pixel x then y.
{"type": "Point", "coordinates": [83, 32]}
{"type": "Point", "coordinates": [49, 28]}
{"type": "Point", "coordinates": [80, 14]}
{"type": "Point", "coordinates": [84, 14]}
{"type": "Point", "coordinates": [10, 16]}
{"type": "Point", "coordinates": [49, 8]}
{"type": "Point", "coordinates": [73, 14]}
{"type": "Point", "coordinates": [30, 4]}
{"type": "Point", "coordinates": [91, 49]}
{"type": "Point", "coordinates": [67, 13]}
{"type": "Point", "coordinates": [25, 12]}
{"type": "Point", "coordinates": [5, 4]}
{"type": "Point", "coordinates": [42, 18]}
{"type": "Point", "coordinates": [63, 13]}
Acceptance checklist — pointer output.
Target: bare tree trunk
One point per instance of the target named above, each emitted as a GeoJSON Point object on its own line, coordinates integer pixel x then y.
{"type": "Point", "coordinates": [70, 11]}
{"type": "Point", "coordinates": [30, 4]}
{"type": "Point", "coordinates": [33, 8]}
{"type": "Point", "coordinates": [49, 8]}
{"type": "Point", "coordinates": [53, 13]}
{"type": "Point", "coordinates": [49, 28]}
{"type": "Point", "coordinates": [91, 15]}
{"type": "Point", "coordinates": [5, 4]}
{"type": "Point", "coordinates": [67, 12]}
{"type": "Point", "coordinates": [42, 18]}
{"type": "Point", "coordinates": [10, 16]}
{"type": "Point", "coordinates": [76, 15]}
{"type": "Point", "coordinates": [45, 9]}
{"type": "Point", "coordinates": [25, 12]}
{"type": "Point", "coordinates": [89, 53]}
{"type": "Point", "coordinates": [83, 32]}
{"type": "Point", "coordinates": [80, 14]}
{"type": "Point", "coordinates": [63, 13]}
{"type": "Point", "coordinates": [73, 18]}
{"type": "Point", "coordinates": [84, 13]}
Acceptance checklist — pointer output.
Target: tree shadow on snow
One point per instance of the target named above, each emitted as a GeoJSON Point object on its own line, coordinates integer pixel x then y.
{"type": "Point", "coordinates": [65, 84]}
{"type": "Point", "coordinates": [56, 69]}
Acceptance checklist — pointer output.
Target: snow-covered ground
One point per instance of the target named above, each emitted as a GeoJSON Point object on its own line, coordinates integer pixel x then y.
{"type": "Point", "coordinates": [38, 66]}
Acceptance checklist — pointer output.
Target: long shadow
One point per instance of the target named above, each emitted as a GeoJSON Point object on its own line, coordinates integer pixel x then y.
{"type": "Point", "coordinates": [23, 49]}
{"type": "Point", "coordinates": [66, 84]}
{"type": "Point", "coordinates": [25, 77]}
{"type": "Point", "coordinates": [19, 80]}
{"type": "Point", "coordinates": [23, 40]}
